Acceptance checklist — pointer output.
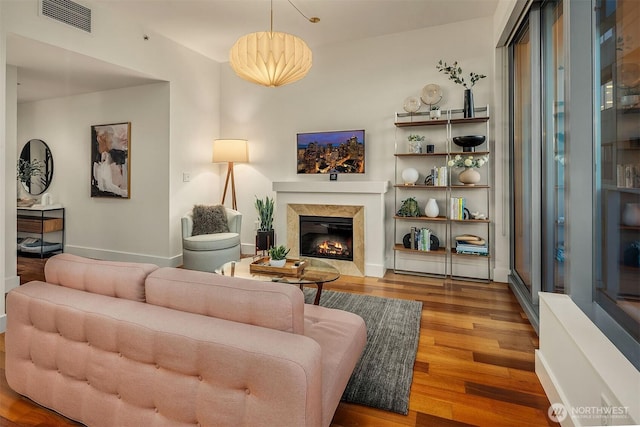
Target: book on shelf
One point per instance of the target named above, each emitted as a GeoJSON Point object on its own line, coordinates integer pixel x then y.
{"type": "Point", "coordinates": [421, 239]}
{"type": "Point", "coordinates": [456, 208]}
{"type": "Point", "coordinates": [482, 249]}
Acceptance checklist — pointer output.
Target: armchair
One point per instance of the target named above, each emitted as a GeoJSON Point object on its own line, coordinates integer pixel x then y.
{"type": "Point", "coordinates": [206, 252]}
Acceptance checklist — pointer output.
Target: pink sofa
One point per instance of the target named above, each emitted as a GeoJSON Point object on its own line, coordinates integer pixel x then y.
{"type": "Point", "coordinates": [128, 344]}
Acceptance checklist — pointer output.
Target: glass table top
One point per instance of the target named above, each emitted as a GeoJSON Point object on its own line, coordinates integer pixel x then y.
{"type": "Point", "coordinates": [315, 271]}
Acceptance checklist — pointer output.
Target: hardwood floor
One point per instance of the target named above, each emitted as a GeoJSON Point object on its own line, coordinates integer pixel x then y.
{"type": "Point", "coordinates": [475, 361]}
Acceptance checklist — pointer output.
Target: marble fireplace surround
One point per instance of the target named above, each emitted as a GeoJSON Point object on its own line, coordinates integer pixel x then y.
{"type": "Point", "coordinates": [352, 268]}
{"type": "Point", "coordinates": [364, 201]}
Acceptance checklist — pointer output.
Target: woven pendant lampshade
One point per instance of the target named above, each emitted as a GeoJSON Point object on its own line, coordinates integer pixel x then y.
{"type": "Point", "coordinates": [270, 58]}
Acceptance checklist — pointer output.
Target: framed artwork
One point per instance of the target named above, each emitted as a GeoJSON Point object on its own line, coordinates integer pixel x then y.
{"type": "Point", "coordinates": [110, 160]}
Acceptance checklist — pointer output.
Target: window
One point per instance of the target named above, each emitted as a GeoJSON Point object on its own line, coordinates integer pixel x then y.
{"type": "Point", "coordinates": [617, 178]}
{"type": "Point", "coordinates": [537, 155]}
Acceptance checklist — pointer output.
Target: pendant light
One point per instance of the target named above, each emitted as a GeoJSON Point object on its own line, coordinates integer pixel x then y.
{"type": "Point", "coordinates": [271, 58]}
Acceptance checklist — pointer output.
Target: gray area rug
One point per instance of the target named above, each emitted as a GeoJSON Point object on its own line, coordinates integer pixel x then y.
{"type": "Point", "coordinates": [382, 378]}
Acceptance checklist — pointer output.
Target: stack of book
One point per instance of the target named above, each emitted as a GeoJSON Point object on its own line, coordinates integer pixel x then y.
{"type": "Point", "coordinates": [471, 245]}
{"type": "Point", "coordinates": [457, 208]}
{"type": "Point", "coordinates": [439, 175]}
{"type": "Point", "coordinates": [421, 239]}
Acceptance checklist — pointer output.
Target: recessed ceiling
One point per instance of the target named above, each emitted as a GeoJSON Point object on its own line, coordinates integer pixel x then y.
{"type": "Point", "coordinates": [46, 71]}
{"type": "Point", "coordinates": [211, 27]}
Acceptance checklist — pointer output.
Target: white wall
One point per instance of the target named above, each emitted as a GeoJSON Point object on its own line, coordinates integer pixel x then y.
{"type": "Point", "coordinates": [11, 157]}
{"type": "Point", "coordinates": [3, 180]}
{"type": "Point", "coordinates": [192, 123]}
{"type": "Point", "coordinates": [356, 85]}
{"type": "Point", "coordinates": [107, 227]}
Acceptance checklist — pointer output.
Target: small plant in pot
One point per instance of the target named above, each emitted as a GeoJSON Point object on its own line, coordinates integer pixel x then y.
{"type": "Point", "coordinates": [415, 143]}
{"type": "Point", "coordinates": [278, 256]}
{"type": "Point", "coordinates": [434, 113]}
{"type": "Point", "coordinates": [265, 237]}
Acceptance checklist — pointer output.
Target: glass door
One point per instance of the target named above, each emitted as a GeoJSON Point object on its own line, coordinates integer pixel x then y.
{"type": "Point", "coordinates": [521, 159]}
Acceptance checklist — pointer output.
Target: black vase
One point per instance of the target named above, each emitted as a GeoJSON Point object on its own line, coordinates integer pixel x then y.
{"type": "Point", "coordinates": [468, 103]}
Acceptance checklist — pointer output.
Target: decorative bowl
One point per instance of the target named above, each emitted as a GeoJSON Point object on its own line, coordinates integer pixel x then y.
{"type": "Point", "coordinates": [469, 142]}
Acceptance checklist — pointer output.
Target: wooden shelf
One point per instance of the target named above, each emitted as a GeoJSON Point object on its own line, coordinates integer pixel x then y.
{"type": "Point", "coordinates": [469, 187]}
{"type": "Point", "coordinates": [470, 120]}
{"type": "Point", "coordinates": [454, 253]}
{"type": "Point", "coordinates": [421, 154]}
{"type": "Point", "coordinates": [471, 221]}
{"type": "Point", "coordinates": [422, 218]}
{"type": "Point", "coordinates": [401, 248]}
{"type": "Point", "coordinates": [30, 224]}
{"type": "Point", "coordinates": [421, 186]}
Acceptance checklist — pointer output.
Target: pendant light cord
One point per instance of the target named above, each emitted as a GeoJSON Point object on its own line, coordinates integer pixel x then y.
{"type": "Point", "coordinates": [313, 19]}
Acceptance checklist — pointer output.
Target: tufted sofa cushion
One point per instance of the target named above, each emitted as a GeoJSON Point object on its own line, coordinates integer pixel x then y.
{"type": "Point", "coordinates": [270, 305]}
{"type": "Point", "coordinates": [110, 278]}
{"type": "Point", "coordinates": [112, 362]}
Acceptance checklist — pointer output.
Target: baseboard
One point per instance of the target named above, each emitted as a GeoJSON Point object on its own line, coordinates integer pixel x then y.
{"type": "Point", "coordinates": [374, 270]}
{"type": "Point", "coordinates": [548, 382]}
{"type": "Point", "coordinates": [174, 261]}
{"type": "Point", "coordinates": [3, 323]}
{"type": "Point", "coordinates": [501, 275]}
{"type": "Point", "coordinates": [11, 283]}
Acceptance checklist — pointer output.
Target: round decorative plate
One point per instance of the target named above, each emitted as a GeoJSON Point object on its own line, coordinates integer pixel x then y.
{"type": "Point", "coordinates": [411, 104]}
{"type": "Point", "coordinates": [431, 94]}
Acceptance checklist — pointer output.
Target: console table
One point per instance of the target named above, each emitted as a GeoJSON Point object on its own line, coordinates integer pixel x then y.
{"type": "Point", "coordinates": [37, 222]}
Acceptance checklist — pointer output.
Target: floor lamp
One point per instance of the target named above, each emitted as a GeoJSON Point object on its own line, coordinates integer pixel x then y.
{"type": "Point", "coordinates": [230, 151]}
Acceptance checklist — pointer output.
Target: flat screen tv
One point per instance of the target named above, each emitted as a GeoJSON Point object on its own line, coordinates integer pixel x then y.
{"type": "Point", "coordinates": [331, 152]}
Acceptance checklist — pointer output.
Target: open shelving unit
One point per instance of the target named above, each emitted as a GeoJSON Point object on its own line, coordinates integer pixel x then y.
{"type": "Point", "coordinates": [445, 261]}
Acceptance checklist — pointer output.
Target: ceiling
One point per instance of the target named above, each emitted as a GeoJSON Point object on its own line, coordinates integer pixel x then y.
{"type": "Point", "coordinates": [211, 27]}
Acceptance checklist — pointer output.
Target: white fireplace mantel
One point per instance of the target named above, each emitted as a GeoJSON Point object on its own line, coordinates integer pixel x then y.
{"type": "Point", "coordinates": [369, 194]}
{"type": "Point", "coordinates": [362, 187]}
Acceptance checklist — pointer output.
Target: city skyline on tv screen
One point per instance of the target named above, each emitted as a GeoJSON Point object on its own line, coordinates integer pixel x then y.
{"type": "Point", "coordinates": [330, 152]}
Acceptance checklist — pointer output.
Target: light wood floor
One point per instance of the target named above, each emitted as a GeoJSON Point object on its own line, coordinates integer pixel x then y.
{"type": "Point", "coordinates": [475, 361]}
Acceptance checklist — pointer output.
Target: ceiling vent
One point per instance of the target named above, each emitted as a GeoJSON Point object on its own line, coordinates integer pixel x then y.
{"type": "Point", "coordinates": [69, 12]}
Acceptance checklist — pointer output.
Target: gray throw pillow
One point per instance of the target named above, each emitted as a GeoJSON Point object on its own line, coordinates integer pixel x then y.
{"type": "Point", "coordinates": [209, 220]}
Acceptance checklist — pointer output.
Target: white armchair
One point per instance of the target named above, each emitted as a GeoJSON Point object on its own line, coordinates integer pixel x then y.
{"type": "Point", "coordinates": [206, 252]}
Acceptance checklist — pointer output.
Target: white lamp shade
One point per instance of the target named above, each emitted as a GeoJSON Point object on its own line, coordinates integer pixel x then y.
{"type": "Point", "coordinates": [230, 150]}
{"type": "Point", "coordinates": [270, 58]}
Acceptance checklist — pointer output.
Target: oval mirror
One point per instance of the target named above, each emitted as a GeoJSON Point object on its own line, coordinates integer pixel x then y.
{"type": "Point", "coordinates": [38, 151]}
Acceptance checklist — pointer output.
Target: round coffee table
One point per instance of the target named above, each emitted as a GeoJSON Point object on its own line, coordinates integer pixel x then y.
{"type": "Point", "coordinates": [316, 272]}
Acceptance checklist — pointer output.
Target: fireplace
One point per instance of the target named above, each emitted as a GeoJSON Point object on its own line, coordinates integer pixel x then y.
{"type": "Point", "coordinates": [326, 237]}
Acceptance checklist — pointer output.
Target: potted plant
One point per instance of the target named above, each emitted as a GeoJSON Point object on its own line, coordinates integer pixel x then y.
{"type": "Point", "coordinates": [455, 73]}
{"type": "Point", "coordinates": [415, 143]}
{"type": "Point", "coordinates": [26, 170]}
{"type": "Point", "coordinates": [265, 237]}
{"type": "Point", "coordinates": [469, 176]}
{"type": "Point", "coordinates": [434, 113]}
{"type": "Point", "coordinates": [278, 256]}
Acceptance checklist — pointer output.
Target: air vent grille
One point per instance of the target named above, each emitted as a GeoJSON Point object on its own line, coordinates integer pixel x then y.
{"type": "Point", "coordinates": [69, 12]}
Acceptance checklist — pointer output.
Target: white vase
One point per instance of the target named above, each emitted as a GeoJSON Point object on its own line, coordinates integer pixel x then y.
{"type": "Point", "coordinates": [631, 214]}
{"type": "Point", "coordinates": [469, 176]}
{"type": "Point", "coordinates": [277, 262]}
{"type": "Point", "coordinates": [434, 114]}
{"type": "Point", "coordinates": [431, 208]}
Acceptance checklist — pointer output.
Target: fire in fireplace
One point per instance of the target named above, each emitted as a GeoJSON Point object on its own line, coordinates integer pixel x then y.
{"type": "Point", "coordinates": [326, 237]}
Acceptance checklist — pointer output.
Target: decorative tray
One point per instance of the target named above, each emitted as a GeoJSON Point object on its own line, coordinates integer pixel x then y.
{"type": "Point", "coordinates": [293, 267]}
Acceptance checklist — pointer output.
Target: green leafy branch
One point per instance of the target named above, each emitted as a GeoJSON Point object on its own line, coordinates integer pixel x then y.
{"type": "Point", "coordinates": [455, 73]}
